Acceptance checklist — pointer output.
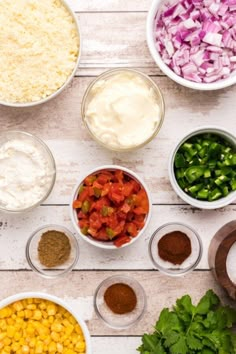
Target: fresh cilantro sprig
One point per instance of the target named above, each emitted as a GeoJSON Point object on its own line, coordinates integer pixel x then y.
{"type": "Point", "coordinates": [189, 329]}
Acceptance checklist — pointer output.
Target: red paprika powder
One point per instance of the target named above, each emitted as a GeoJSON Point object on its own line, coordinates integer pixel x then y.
{"type": "Point", "coordinates": [174, 247]}
{"type": "Point", "coordinates": [120, 298]}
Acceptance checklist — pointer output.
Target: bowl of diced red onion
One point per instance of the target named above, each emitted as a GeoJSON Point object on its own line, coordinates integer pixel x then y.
{"type": "Point", "coordinates": [194, 41]}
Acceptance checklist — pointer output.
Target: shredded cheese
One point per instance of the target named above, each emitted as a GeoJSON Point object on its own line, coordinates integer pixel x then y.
{"type": "Point", "coordinates": [39, 47]}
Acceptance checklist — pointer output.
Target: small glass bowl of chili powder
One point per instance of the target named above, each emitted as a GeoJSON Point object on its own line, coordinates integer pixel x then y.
{"type": "Point", "coordinates": [175, 249]}
{"type": "Point", "coordinates": [52, 251]}
{"type": "Point", "coordinates": [120, 301]}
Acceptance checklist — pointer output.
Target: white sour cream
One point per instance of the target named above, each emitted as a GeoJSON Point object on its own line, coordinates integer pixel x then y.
{"type": "Point", "coordinates": [25, 174]}
{"type": "Point", "coordinates": [122, 111]}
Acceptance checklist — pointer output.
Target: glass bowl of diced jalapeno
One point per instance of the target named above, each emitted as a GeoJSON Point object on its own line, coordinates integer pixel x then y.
{"type": "Point", "coordinates": [202, 168]}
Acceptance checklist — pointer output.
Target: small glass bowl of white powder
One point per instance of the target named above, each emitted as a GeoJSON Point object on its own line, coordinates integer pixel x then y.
{"type": "Point", "coordinates": [27, 171]}
{"type": "Point", "coordinates": [123, 109]}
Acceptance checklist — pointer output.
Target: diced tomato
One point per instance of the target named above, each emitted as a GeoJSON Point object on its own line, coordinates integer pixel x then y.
{"type": "Point", "coordinates": [120, 241]}
{"type": "Point", "coordinates": [83, 194]}
{"type": "Point", "coordinates": [105, 189]}
{"type": "Point", "coordinates": [139, 221]}
{"type": "Point", "coordinates": [95, 221]}
{"type": "Point", "coordinates": [132, 229]}
{"type": "Point", "coordinates": [142, 200]}
{"type": "Point", "coordinates": [139, 211]}
{"type": "Point", "coordinates": [103, 178]}
{"type": "Point", "coordinates": [83, 223]}
{"type": "Point", "coordinates": [128, 189]}
{"type": "Point", "coordinates": [116, 193]}
{"type": "Point", "coordinates": [119, 176]}
{"type": "Point", "coordinates": [82, 215]}
{"type": "Point", "coordinates": [77, 204]}
{"type": "Point", "coordinates": [89, 180]}
{"type": "Point", "coordinates": [102, 235]}
{"type": "Point", "coordinates": [97, 185]}
{"type": "Point", "coordinates": [125, 208]}
{"type": "Point", "coordinates": [100, 203]}
{"type": "Point", "coordinates": [136, 186]}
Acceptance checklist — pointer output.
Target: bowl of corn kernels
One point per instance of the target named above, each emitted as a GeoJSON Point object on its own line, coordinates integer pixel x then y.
{"type": "Point", "coordinates": [41, 323]}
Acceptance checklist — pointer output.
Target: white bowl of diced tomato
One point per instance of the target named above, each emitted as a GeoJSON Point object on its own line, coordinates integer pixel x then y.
{"type": "Point", "coordinates": [110, 207]}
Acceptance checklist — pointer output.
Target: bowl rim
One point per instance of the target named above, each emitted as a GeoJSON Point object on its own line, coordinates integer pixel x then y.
{"type": "Point", "coordinates": [53, 162]}
{"type": "Point", "coordinates": [220, 203]}
{"type": "Point", "coordinates": [70, 77]}
{"type": "Point", "coordinates": [45, 296]}
{"type": "Point", "coordinates": [29, 258]}
{"type": "Point", "coordinates": [223, 83]}
{"type": "Point", "coordinates": [131, 279]}
{"type": "Point", "coordinates": [109, 73]}
{"type": "Point", "coordinates": [101, 244]}
{"type": "Point", "coordinates": [176, 273]}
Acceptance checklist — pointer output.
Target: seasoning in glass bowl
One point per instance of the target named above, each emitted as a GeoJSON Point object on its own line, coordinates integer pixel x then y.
{"type": "Point", "coordinates": [54, 248]}
{"type": "Point", "coordinates": [120, 298]}
{"type": "Point", "coordinates": [174, 247]}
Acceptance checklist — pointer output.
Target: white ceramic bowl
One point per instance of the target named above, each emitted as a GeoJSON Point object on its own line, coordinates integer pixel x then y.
{"type": "Point", "coordinates": [220, 203]}
{"type": "Point", "coordinates": [44, 296]}
{"type": "Point", "coordinates": [108, 244]}
{"type": "Point", "coordinates": [231, 80]}
{"type": "Point", "coordinates": [44, 100]}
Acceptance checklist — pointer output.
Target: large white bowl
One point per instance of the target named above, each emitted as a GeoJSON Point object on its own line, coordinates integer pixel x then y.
{"type": "Point", "coordinates": [220, 203]}
{"type": "Point", "coordinates": [66, 83]}
{"type": "Point", "coordinates": [108, 244]}
{"type": "Point", "coordinates": [231, 80]}
{"type": "Point", "coordinates": [44, 296]}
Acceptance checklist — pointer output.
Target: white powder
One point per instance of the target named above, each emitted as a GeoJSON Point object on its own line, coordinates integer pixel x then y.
{"type": "Point", "coordinates": [25, 174]}
{"type": "Point", "coordinates": [39, 47]}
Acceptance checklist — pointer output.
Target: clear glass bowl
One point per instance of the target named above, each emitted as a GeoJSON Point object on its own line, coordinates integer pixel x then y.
{"type": "Point", "coordinates": [108, 74]}
{"type": "Point", "coordinates": [32, 253]}
{"type": "Point", "coordinates": [114, 320]}
{"type": "Point", "coordinates": [42, 147]}
{"type": "Point", "coordinates": [189, 264]}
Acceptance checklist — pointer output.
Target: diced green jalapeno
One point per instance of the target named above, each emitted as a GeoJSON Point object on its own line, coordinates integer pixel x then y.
{"type": "Point", "coordinates": [85, 207]}
{"type": "Point", "coordinates": [205, 167]}
{"type": "Point", "coordinates": [110, 233]}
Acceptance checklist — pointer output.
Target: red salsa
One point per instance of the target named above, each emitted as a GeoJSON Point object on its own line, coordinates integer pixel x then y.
{"type": "Point", "coordinates": [111, 206]}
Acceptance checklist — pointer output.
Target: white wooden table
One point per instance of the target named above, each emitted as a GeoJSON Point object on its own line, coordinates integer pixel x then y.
{"type": "Point", "coordinates": [113, 36]}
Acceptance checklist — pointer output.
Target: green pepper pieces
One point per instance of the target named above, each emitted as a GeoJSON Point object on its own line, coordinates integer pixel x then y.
{"type": "Point", "coordinates": [205, 167]}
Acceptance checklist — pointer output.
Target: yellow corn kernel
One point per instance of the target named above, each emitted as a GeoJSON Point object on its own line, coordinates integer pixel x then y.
{"type": "Point", "coordinates": [15, 346]}
{"type": "Point", "coordinates": [6, 341]}
{"type": "Point", "coordinates": [37, 315]}
{"type": "Point", "coordinates": [39, 347]}
{"type": "Point", "coordinates": [31, 307]}
{"type": "Point", "coordinates": [52, 347]}
{"type": "Point", "coordinates": [80, 347]}
{"type": "Point", "coordinates": [2, 335]}
{"type": "Point", "coordinates": [21, 314]}
{"type": "Point", "coordinates": [18, 306]}
{"type": "Point", "coordinates": [4, 312]}
{"type": "Point", "coordinates": [17, 336]}
{"type": "Point", "coordinates": [51, 309]}
{"type": "Point", "coordinates": [57, 327]}
{"type": "Point", "coordinates": [55, 336]}
{"type": "Point", "coordinates": [25, 349]}
{"type": "Point", "coordinates": [32, 343]}
{"type": "Point", "coordinates": [59, 348]}
{"type": "Point", "coordinates": [69, 330]}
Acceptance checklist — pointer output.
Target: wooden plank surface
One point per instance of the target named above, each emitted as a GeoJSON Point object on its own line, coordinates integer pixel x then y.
{"type": "Point", "coordinates": [113, 33]}
{"type": "Point", "coordinates": [15, 231]}
{"type": "Point", "coordinates": [109, 5]}
{"type": "Point", "coordinates": [79, 288]}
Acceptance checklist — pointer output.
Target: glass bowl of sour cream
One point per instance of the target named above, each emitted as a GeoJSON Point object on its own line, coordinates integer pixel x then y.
{"type": "Point", "coordinates": [123, 109]}
{"type": "Point", "coordinates": [27, 171]}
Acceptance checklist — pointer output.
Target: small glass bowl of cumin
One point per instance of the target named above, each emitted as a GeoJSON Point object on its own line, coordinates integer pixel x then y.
{"type": "Point", "coordinates": [52, 251]}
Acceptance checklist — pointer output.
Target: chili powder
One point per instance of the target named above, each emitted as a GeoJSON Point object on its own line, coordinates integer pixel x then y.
{"type": "Point", "coordinates": [174, 247]}
{"type": "Point", "coordinates": [120, 298]}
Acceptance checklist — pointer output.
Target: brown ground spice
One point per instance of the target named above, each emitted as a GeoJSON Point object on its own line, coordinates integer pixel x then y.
{"type": "Point", "coordinates": [174, 247]}
{"type": "Point", "coordinates": [54, 248]}
{"type": "Point", "coordinates": [120, 298]}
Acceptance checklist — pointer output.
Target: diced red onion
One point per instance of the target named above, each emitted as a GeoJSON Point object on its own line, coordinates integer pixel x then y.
{"type": "Point", "coordinates": [197, 38]}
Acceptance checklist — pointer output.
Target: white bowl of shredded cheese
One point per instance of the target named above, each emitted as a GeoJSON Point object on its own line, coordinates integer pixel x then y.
{"type": "Point", "coordinates": [27, 171]}
{"type": "Point", "coordinates": [39, 52]}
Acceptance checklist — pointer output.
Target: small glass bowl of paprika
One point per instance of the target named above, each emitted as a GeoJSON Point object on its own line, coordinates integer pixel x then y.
{"type": "Point", "coordinates": [120, 301]}
{"type": "Point", "coordinates": [175, 249]}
